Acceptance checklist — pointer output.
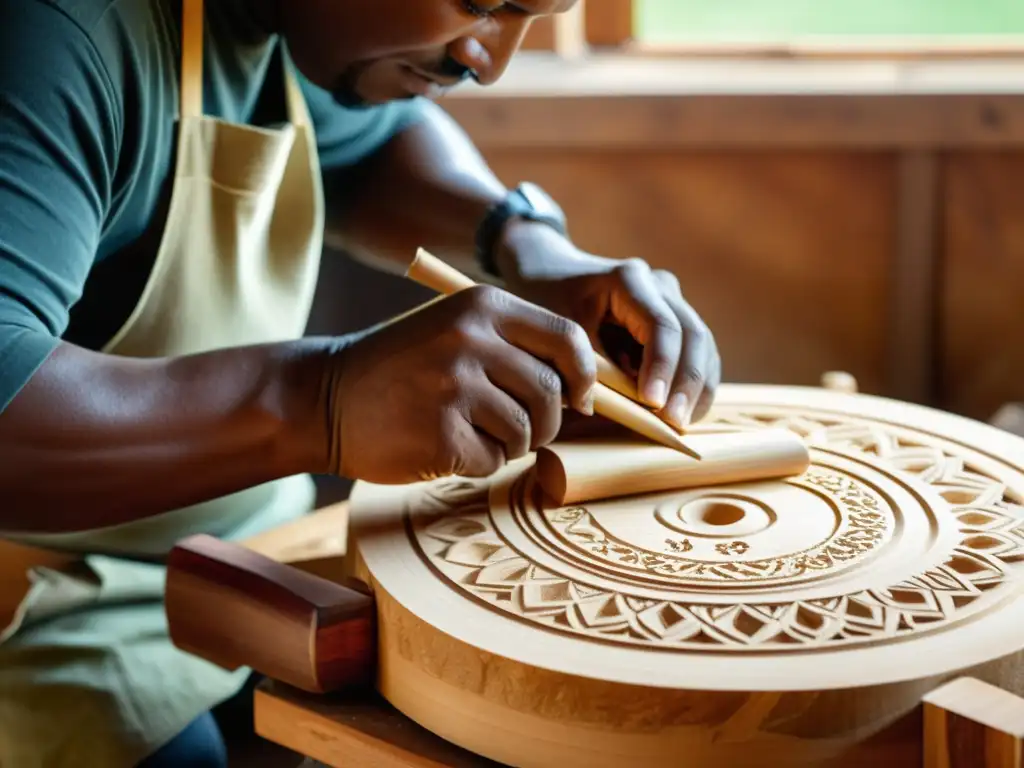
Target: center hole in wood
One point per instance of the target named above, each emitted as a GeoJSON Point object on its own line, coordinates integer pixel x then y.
{"type": "Point", "coordinates": [720, 513]}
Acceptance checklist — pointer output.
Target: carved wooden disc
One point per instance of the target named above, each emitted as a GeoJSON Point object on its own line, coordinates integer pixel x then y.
{"type": "Point", "coordinates": [896, 558]}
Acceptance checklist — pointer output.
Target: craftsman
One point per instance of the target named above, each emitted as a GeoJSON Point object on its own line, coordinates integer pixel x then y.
{"type": "Point", "coordinates": [169, 173]}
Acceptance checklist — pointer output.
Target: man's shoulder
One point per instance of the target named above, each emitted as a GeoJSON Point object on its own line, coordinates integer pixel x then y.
{"type": "Point", "coordinates": [86, 14]}
{"type": "Point", "coordinates": [90, 19]}
{"type": "Point", "coordinates": [106, 36]}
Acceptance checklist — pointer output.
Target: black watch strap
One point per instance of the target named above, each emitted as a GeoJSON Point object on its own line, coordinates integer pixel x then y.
{"type": "Point", "coordinates": [527, 201]}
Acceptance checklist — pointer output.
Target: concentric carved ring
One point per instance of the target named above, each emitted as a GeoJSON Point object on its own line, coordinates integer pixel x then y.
{"type": "Point", "coordinates": [885, 536]}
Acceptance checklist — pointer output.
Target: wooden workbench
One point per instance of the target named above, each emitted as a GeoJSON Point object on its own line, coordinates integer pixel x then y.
{"type": "Point", "coordinates": [359, 728]}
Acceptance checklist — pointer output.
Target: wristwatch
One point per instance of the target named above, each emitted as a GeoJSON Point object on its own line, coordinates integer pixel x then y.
{"type": "Point", "coordinates": [527, 201]}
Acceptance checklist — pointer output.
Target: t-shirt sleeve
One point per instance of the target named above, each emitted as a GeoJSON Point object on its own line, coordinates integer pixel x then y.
{"type": "Point", "coordinates": [59, 136]}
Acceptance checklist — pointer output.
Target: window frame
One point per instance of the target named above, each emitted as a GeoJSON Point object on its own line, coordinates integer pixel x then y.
{"type": "Point", "coordinates": [608, 26]}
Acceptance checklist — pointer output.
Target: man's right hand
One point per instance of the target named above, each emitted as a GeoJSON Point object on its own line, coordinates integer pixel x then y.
{"type": "Point", "coordinates": [459, 387]}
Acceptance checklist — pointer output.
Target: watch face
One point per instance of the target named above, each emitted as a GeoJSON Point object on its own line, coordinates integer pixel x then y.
{"type": "Point", "coordinates": [541, 201]}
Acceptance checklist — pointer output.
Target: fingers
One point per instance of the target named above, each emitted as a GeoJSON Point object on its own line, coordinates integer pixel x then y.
{"type": "Point", "coordinates": [503, 420]}
{"type": "Point", "coordinates": [548, 337]}
{"type": "Point", "coordinates": [526, 382]}
{"type": "Point", "coordinates": [512, 406]}
{"type": "Point", "coordinates": [699, 372]}
{"type": "Point", "coordinates": [707, 397]}
{"type": "Point", "coordinates": [638, 305]}
{"type": "Point", "coordinates": [463, 449]}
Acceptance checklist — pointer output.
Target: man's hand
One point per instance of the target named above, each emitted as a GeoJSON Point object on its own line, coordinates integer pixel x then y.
{"type": "Point", "coordinates": [457, 388]}
{"type": "Point", "coordinates": [634, 315]}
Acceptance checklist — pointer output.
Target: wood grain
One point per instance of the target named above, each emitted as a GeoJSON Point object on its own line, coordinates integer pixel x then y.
{"type": "Point", "coordinates": [236, 607]}
{"type": "Point", "coordinates": [752, 624]}
{"type": "Point", "coordinates": [971, 724]}
{"type": "Point", "coordinates": [352, 731]}
{"type": "Point", "coordinates": [787, 256]}
{"type": "Point", "coordinates": [611, 101]}
{"type": "Point", "coordinates": [982, 363]}
{"type": "Point", "coordinates": [577, 471]}
{"type": "Point", "coordinates": [609, 22]}
{"type": "Point", "coordinates": [916, 264]}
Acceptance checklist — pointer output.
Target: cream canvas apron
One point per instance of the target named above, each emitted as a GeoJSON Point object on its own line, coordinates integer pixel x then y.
{"type": "Point", "coordinates": [88, 675]}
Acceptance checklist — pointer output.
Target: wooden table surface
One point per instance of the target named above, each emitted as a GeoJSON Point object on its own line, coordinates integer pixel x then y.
{"type": "Point", "coordinates": [358, 730]}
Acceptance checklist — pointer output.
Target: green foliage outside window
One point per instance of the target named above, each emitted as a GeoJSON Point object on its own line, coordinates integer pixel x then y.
{"type": "Point", "coordinates": [751, 21]}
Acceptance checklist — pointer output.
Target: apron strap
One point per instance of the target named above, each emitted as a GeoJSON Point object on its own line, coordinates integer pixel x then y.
{"type": "Point", "coordinates": [298, 114]}
{"type": "Point", "coordinates": [192, 70]}
{"type": "Point", "coordinates": [192, 58]}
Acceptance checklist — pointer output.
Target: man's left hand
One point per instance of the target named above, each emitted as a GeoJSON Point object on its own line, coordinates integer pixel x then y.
{"type": "Point", "coordinates": [635, 316]}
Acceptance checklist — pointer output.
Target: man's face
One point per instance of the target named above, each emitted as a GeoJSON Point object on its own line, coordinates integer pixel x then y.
{"type": "Point", "coordinates": [374, 51]}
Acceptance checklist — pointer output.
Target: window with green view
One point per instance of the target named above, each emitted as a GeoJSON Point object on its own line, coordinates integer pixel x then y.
{"type": "Point", "coordinates": [665, 21]}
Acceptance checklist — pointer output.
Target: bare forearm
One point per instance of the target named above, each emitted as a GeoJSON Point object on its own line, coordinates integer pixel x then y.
{"type": "Point", "coordinates": [95, 440]}
{"type": "Point", "coordinates": [428, 187]}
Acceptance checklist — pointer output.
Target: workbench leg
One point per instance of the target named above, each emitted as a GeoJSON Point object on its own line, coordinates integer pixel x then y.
{"type": "Point", "coordinates": [971, 724]}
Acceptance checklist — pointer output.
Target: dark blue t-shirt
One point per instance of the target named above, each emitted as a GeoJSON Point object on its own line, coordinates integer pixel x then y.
{"type": "Point", "coordinates": [89, 102]}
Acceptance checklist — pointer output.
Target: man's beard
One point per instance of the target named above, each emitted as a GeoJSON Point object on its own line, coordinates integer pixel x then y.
{"type": "Point", "coordinates": [346, 89]}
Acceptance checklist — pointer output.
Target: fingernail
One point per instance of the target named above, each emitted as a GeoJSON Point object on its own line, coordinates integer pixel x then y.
{"type": "Point", "coordinates": [588, 403]}
{"type": "Point", "coordinates": [657, 391]}
{"type": "Point", "coordinates": [677, 411]}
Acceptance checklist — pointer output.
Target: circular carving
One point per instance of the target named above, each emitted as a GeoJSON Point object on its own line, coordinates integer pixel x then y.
{"type": "Point", "coordinates": [895, 558]}
{"type": "Point", "coordinates": [782, 530]}
{"type": "Point", "coordinates": [716, 515]}
{"type": "Point", "coordinates": [851, 552]}
{"type": "Point", "coordinates": [891, 533]}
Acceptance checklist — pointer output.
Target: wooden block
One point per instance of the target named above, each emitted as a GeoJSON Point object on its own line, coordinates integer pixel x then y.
{"type": "Point", "coordinates": [320, 535]}
{"type": "Point", "coordinates": [352, 731]}
{"type": "Point", "coordinates": [575, 472]}
{"type": "Point", "coordinates": [236, 607]}
{"type": "Point", "coordinates": [971, 724]}
{"type": "Point", "coordinates": [839, 381]}
{"type": "Point", "coordinates": [1010, 418]}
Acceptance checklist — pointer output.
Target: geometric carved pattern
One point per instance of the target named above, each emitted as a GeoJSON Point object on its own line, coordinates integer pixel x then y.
{"type": "Point", "coordinates": [473, 550]}
{"type": "Point", "coordinates": [864, 529]}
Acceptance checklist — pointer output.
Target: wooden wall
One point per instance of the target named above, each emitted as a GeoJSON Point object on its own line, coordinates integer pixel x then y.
{"type": "Point", "coordinates": [982, 294]}
{"type": "Point", "coordinates": [876, 232]}
{"type": "Point", "coordinates": [784, 254]}
{"type": "Point", "coordinates": [791, 257]}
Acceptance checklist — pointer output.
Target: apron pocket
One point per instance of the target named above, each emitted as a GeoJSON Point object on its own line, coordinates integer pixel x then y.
{"type": "Point", "coordinates": [53, 593]}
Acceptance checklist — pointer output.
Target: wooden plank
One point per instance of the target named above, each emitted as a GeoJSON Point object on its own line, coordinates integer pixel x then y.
{"type": "Point", "coordinates": [1010, 418]}
{"type": "Point", "coordinates": [971, 724]}
{"type": "Point", "coordinates": [357, 731]}
{"type": "Point", "coordinates": [847, 47]}
{"type": "Point", "coordinates": [623, 74]}
{"type": "Point", "coordinates": [540, 36]}
{"type": "Point", "coordinates": [608, 101]}
{"type": "Point", "coordinates": [571, 32]}
{"type": "Point", "coordinates": [319, 535]}
{"type": "Point", "coordinates": [609, 23]}
{"type": "Point", "coordinates": [982, 365]}
{"type": "Point", "coordinates": [913, 304]}
{"type": "Point", "coordinates": [364, 731]}
{"type": "Point", "coordinates": [787, 255]}
{"type": "Point", "coordinates": [743, 122]}
{"type": "Point", "coordinates": [605, 23]}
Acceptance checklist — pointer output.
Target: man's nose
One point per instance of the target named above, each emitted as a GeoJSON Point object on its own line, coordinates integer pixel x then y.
{"type": "Point", "coordinates": [488, 49]}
